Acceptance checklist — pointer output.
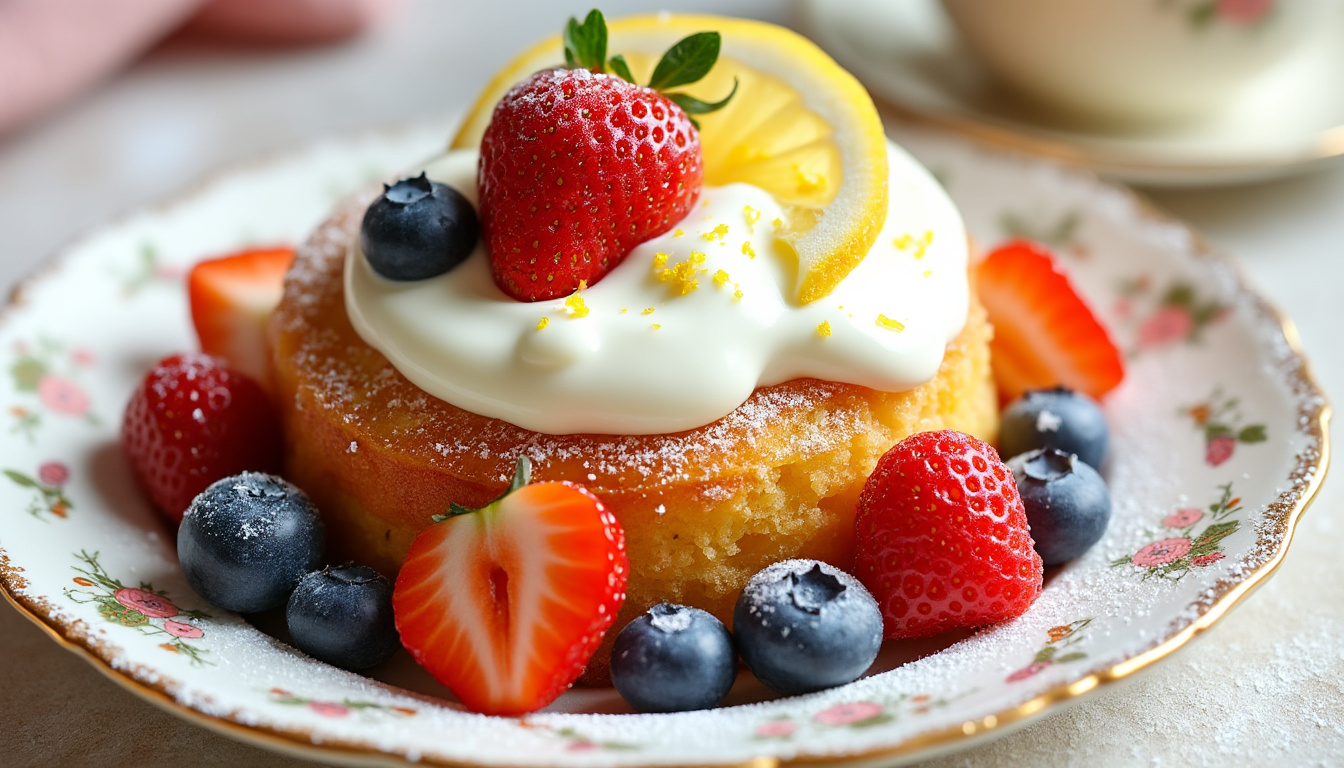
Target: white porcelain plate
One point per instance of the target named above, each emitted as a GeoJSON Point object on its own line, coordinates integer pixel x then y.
{"type": "Point", "coordinates": [1219, 444]}
{"type": "Point", "coordinates": [1288, 121]}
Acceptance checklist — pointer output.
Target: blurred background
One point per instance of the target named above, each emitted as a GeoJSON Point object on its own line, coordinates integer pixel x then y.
{"type": "Point", "coordinates": [184, 98]}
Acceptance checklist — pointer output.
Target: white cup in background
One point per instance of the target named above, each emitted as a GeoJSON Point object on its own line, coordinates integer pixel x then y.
{"type": "Point", "coordinates": [1135, 62]}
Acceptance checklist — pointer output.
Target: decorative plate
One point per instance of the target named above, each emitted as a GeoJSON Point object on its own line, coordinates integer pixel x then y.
{"type": "Point", "coordinates": [1219, 444]}
{"type": "Point", "coordinates": [1289, 121]}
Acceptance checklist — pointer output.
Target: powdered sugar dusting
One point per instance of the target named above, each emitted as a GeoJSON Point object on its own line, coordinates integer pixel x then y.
{"type": "Point", "coordinates": [1093, 615]}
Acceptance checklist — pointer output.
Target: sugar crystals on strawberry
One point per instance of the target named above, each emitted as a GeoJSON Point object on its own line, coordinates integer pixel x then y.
{"type": "Point", "coordinates": [579, 166]}
{"type": "Point", "coordinates": [194, 420]}
{"type": "Point", "coordinates": [943, 541]}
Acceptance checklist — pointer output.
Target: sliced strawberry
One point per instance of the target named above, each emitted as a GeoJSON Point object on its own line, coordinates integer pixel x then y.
{"type": "Point", "coordinates": [1044, 333]}
{"type": "Point", "coordinates": [506, 604]}
{"type": "Point", "coordinates": [231, 299]}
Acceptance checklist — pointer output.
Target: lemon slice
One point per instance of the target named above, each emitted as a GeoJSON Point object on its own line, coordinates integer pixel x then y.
{"type": "Point", "coordinates": [800, 127]}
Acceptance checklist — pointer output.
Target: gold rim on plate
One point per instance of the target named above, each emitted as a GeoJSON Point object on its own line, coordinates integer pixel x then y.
{"type": "Point", "coordinates": [1271, 545]}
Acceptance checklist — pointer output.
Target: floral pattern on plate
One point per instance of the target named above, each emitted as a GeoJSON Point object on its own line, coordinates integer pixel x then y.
{"type": "Point", "coordinates": [948, 694]}
{"type": "Point", "coordinates": [138, 608]}
{"type": "Point", "coordinates": [49, 489]}
{"type": "Point", "coordinates": [1173, 556]}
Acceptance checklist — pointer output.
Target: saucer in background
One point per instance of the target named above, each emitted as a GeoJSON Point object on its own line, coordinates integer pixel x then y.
{"type": "Point", "coordinates": [1291, 120]}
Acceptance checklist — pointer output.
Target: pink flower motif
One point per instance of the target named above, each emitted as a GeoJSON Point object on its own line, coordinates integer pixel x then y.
{"type": "Point", "coordinates": [776, 729]}
{"type": "Point", "coordinates": [178, 629]}
{"type": "Point", "coordinates": [1162, 552]}
{"type": "Point", "coordinates": [1166, 325]}
{"type": "Point", "coordinates": [329, 708]}
{"type": "Point", "coordinates": [1208, 559]}
{"type": "Point", "coordinates": [1031, 670]}
{"type": "Point", "coordinates": [848, 714]}
{"type": "Point", "coordinates": [581, 746]}
{"type": "Point", "coordinates": [53, 473]}
{"type": "Point", "coordinates": [168, 272]}
{"type": "Point", "coordinates": [62, 395]}
{"type": "Point", "coordinates": [1219, 449]}
{"type": "Point", "coordinates": [1244, 11]}
{"type": "Point", "coordinates": [82, 357]}
{"type": "Point", "coordinates": [1183, 518]}
{"type": "Point", "coordinates": [146, 602]}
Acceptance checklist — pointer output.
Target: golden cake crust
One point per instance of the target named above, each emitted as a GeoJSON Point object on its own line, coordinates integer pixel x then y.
{"type": "Point", "coordinates": [703, 509]}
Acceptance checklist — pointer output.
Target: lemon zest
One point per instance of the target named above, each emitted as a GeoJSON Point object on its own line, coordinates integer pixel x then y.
{"type": "Point", "coordinates": [576, 305]}
{"type": "Point", "coordinates": [752, 216]}
{"type": "Point", "coordinates": [891, 325]}
{"type": "Point", "coordinates": [716, 233]}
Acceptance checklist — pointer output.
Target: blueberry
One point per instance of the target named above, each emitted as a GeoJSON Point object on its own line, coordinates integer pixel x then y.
{"type": "Point", "coordinates": [418, 229]}
{"type": "Point", "coordinates": [1067, 503]}
{"type": "Point", "coordinates": [343, 615]}
{"type": "Point", "coordinates": [673, 659]}
{"type": "Point", "coordinates": [246, 540]}
{"type": "Point", "coordinates": [802, 625]}
{"type": "Point", "coordinates": [1055, 418]}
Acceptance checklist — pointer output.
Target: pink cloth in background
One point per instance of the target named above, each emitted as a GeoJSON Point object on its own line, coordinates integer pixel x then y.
{"type": "Point", "coordinates": [52, 50]}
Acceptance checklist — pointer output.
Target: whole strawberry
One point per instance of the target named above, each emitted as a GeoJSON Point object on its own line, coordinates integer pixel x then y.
{"type": "Point", "coordinates": [194, 420]}
{"type": "Point", "coordinates": [943, 538]}
{"type": "Point", "coordinates": [579, 166]}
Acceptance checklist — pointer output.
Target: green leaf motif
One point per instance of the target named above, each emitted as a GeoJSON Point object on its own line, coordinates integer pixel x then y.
{"type": "Point", "coordinates": [1255, 433]}
{"type": "Point", "coordinates": [1201, 16]}
{"type": "Point", "coordinates": [687, 61]}
{"type": "Point", "coordinates": [874, 720]}
{"type": "Point", "coordinates": [1075, 656]}
{"type": "Point", "coordinates": [27, 372]}
{"type": "Point", "coordinates": [1046, 654]}
{"type": "Point", "coordinates": [1216, 430]}
{"type": "Point", "coordinates": [1179, 295]}
{"type": "Point", "coordinates": [1214, 534]}
{"type": "Point", "coordinates": [21, 479]}
{"type": "Point", "coordinates": [586, 43]}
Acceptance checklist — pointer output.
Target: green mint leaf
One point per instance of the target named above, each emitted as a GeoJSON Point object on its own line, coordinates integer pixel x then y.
{"type": "Point", "coordinates": [621, 69]}
{"type": "Point", "coordinates": [586, 43]}
{"type": "Point", "coordinates": [687, 61]}
{"type": "Point", "coordinates": [693, 106]}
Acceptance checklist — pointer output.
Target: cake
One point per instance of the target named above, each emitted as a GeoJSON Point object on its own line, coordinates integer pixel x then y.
{"type": "Point", "coordinates": [378, 429]}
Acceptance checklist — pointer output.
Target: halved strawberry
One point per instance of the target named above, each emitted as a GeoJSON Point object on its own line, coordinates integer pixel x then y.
{"type": "Point", "coordinates": [1044, 334]}
{"type": "Point", "coordinates": [506, 604]}
{"type": "Point", "coordinates": [231, 299]}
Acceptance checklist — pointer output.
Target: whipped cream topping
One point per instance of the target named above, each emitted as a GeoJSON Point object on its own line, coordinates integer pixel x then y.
{"type": "Point", "coordinates": [681, 332]}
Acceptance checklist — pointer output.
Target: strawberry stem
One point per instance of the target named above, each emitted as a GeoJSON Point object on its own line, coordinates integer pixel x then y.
{"type": "Point", "coordinates": [522, 475]}
{"type": "Point", "coordinates": [586, 43]}
{"type": "Point", "coordinates": [686, 62]}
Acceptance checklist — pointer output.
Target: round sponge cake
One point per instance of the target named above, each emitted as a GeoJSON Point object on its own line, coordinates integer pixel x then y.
{"type": "Point", "coordinates": [703, 510]}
